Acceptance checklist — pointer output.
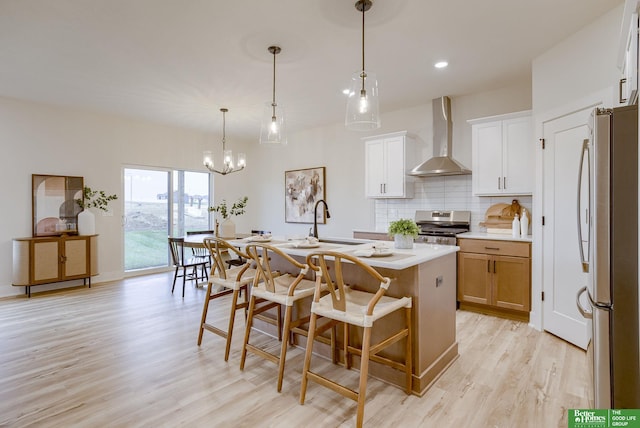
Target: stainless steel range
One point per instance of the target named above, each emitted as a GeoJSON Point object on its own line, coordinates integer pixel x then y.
{"type": "Point", "coordinates": [442, 226]}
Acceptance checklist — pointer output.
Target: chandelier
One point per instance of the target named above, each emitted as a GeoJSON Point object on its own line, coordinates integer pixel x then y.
{"type": "Point", "coordinates": [227, 155]}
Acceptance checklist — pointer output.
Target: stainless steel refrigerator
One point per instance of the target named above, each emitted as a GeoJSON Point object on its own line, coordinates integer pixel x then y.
{"type": "Point", "coordinates": [610, 255]}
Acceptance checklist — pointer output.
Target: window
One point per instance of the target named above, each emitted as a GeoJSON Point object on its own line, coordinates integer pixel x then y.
{"type": "Point", "coordinates": [152, 197]}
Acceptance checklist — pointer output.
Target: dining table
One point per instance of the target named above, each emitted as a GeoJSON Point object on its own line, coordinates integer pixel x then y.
{"type": "Point", "coordinates": [197, 240]}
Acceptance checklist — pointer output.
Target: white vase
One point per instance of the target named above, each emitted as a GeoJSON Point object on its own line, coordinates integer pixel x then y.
{"type": "Point", "coordinates": [403, 241]}
{"type": "Point", "coordinates": [86, 223]}
{"type": "Point", "coordinates": [227, 229]}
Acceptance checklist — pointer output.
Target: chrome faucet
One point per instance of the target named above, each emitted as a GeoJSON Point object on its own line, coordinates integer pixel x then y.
{"type": "Point", "coordinates": [315, 215]}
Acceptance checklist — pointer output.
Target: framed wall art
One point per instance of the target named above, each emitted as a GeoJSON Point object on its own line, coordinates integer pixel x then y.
{"type": "Point", "coordinates": [54, 209]}
{"type": "Point", "coordinates": [303, 188]}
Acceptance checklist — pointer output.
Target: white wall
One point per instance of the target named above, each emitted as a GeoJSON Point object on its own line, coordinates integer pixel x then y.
{"type": "Point", "coordinates": [42, 139]}
{"type": "Point", "coordinates": [582, 64]}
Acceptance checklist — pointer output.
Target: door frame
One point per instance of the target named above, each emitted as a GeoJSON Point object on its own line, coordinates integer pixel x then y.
{"type": "Point", "coordinates": [603, 97]}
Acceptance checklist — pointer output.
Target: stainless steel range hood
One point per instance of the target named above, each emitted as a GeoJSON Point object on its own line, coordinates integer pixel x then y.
{"type": "Point", "coordinates": [441, 163]}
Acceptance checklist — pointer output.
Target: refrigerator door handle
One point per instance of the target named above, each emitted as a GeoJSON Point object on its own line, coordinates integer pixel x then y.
{"type": "Point", "coordinates": [585, 313]}
{"type": "Point", "coordinates": [584, 261]}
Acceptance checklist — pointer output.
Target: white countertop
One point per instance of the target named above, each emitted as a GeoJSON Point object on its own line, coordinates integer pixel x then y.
{"type": "Point", "coordinates": [494, 236]}
{"type": "Point", "coordinates": [370, 231]}
{"type": "Point", "coordinates": [420, 253]}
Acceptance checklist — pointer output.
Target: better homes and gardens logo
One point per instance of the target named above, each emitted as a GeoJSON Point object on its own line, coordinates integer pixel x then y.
{"type": "Point", "coordinates": [579, 418]}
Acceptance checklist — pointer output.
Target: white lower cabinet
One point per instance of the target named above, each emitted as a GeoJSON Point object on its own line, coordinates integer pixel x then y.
{"type": "Point", "coordinates": [387, 160]}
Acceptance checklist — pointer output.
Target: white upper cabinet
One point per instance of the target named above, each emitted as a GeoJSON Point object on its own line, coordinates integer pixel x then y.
{"type": "Point", "coordinates": [502, 155]}
{"type": "Point", "coordinates": [628, 55]}
{"type": "Point", "coordinates": [387, 161]}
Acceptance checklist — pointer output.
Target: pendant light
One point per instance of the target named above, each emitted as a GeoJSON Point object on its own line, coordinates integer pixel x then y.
{"type": "Point", "coordinates": [227, 155]}
{"type": "Point", "coordinates": [272, 129]}
{"type": "Point", "coordinates": [362, 103]}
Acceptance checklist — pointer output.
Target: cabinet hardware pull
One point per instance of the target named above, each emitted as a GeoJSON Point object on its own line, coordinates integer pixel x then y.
{"type": "Point", "coordinates": [504, 183]}
{"type": "Point", "coordinates": [494, 266]}
{"type": "Point", "coordinates": [381, 188]}
{"type": "Point", "coordinates": [499, 188]}
{"type": "Point", "coordinates": [384, 186]}
{"type": "Point", "coordinates": [492, 248]}
{"type": "Point", "coordinates": [622, 82]}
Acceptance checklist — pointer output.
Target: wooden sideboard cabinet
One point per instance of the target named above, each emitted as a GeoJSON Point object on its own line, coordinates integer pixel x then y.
{"type": "Point", "coordinates": [495, 277]}
{"type": "Point", "coordinates": [46, 260]}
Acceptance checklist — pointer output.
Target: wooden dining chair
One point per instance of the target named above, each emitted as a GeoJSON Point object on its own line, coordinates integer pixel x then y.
{"type": "Point", "coordinates": [188, 264]}
{"type": "Point", "coordinates": [222, 282]}
{"type": "Point", "coordinates": [201, 252]}
{"type": "Point", "coordinates": [352, 307]}
{"type": "Point", "coordinates": [272, 288]}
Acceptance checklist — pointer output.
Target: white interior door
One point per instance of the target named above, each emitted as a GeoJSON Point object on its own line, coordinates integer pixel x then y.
{"type": "Point", "coordinates": [562, 271]}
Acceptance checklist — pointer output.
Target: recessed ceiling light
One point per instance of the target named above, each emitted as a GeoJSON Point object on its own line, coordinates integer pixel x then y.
{"type": "Point", "coordinates": [441, 64]}
{"type": "Point", "coordinates": [346, 91]}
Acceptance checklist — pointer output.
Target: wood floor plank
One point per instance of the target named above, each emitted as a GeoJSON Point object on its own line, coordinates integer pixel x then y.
{"type": "Point", "coordinates": [124, 354]}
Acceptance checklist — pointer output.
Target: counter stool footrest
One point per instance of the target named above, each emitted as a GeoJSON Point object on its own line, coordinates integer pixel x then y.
{"type": "Point", "coordinates": [264, 354]}
{"type": "Point", "coordinates": [342, 390]}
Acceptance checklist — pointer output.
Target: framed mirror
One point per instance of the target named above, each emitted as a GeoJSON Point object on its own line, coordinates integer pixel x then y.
{"type": "Point", "coordinates": [54, 210]}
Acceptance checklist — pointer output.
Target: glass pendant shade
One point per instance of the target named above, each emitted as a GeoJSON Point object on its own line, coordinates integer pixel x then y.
{"type": "Point", "coordinates": [227, 157]}
{"type": "Point", "coordinates": [207, 158]}
{"type": "Point", "coordinates": [273, 129]}
{"type": "Point", "coordinates": [242, 160]}
{"type": "Point", "coordinates": [363, 110]}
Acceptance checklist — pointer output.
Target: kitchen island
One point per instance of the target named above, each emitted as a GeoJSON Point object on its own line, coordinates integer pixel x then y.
{"type": "Point", "coordinates": [427, 273]}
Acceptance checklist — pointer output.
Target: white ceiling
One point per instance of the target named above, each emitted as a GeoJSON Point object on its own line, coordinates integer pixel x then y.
{"type": "Point", "coordinates": [179, 61]}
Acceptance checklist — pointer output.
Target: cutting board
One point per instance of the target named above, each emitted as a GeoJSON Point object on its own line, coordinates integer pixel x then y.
{"type": "Point", "coordinates": [499, 217]}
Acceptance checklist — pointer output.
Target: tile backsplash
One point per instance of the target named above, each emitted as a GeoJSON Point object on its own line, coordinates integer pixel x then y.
{"type": "Point", "coordinates": [441, 193]}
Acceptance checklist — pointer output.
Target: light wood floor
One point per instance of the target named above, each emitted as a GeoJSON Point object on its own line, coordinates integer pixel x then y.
{"type": "Point", "coordinates": [124, 354]}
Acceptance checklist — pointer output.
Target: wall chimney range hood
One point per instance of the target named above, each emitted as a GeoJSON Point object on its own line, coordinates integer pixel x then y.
{"type": "Point", "coordinates": [442, 162]}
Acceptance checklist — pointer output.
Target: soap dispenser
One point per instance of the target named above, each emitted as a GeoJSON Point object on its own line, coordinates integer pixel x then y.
{"type": "Point", "coordinates": [515, 227]}
{"type": "Point", "coordinates": [524, 224]}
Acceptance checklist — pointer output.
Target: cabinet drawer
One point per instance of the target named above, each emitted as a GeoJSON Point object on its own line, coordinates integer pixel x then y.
{"type": "Point", "coordinates": [504, 248]}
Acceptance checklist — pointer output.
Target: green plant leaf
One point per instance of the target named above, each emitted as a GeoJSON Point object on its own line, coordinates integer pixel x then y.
{"type": "Point", "coordinates": [403, 226]}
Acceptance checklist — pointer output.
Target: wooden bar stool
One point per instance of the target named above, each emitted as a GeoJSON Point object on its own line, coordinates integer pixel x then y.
{"type": "Point", "coordinates": [223, 282]}
{"type": "Point", "coordinates": [349, 306]}
{"type": "Point", "coordinates": [274, 289]}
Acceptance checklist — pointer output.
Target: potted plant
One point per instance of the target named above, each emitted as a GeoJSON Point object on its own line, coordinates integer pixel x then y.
{"type": "Point", "coordinates": [403, 232]}
{"type": "Point", "coordinates": [228, 227]}
{"type": "Point", "coordinates": [91, 199]}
